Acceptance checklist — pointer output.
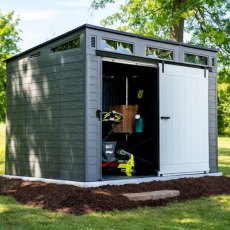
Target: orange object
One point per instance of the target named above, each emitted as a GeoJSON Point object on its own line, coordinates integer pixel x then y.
{"type": "Point", "coordinates": [128, 123]}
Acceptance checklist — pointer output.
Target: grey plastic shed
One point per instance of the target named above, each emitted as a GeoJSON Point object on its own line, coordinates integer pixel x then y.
{"type": "Point", "coordinates": [56, 90]}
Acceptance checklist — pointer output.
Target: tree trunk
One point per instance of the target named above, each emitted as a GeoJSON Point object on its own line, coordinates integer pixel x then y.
{"type": "Point", "coordinates": [177, 30]}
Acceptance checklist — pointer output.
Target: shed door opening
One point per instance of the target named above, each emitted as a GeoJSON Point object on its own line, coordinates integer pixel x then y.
{"type": "Point", "coordinates": [130, 90]}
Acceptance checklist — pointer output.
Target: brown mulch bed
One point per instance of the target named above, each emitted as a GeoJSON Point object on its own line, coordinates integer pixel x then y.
{"type": "Point", "coordinates": [75, 200]}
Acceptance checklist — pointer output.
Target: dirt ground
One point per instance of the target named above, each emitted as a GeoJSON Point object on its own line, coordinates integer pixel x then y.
{"type": "Point", "coordinates": [75, 200]}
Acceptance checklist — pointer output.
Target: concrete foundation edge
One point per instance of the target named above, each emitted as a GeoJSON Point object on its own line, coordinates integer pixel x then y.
{"type": "Point", "coordinates": [111, 182]}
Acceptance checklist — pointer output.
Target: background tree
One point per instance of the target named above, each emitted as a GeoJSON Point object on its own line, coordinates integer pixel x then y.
{"type": "Point", "coordinates": [224, 101]}
{"type": "Point", "coordinates": [9, 38]}
{"type": "Point", "coordinates": [206, 22]}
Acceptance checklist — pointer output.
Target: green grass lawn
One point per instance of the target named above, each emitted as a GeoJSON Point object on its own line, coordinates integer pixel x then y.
{"type": "Point", "coordinates": [224, 155]}
{"type": "Point", "coordinates": [206, 213]}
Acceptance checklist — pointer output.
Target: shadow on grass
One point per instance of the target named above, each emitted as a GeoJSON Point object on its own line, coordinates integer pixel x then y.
{"type": "Point", "coordinates": [206, 213]}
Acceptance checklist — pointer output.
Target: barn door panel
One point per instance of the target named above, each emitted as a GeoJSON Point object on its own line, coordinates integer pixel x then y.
{"type": "Point", "coordinates": [183, 120]}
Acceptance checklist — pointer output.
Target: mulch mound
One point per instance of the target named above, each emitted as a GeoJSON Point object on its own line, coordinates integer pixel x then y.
{"type": "Point", "coordinates": [75, 200]}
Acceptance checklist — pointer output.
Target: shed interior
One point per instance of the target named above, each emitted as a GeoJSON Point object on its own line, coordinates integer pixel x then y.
{"type": "Point", "coordinates": [130, 90]}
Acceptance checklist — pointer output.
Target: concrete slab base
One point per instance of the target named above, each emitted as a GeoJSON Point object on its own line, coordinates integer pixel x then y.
{"type": "Point", "coordinates": [129, 180]}
{"type": "Point", "coordinates": [153, 195]}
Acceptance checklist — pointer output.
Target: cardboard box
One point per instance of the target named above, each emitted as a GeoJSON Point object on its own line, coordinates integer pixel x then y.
{"type": "Point", "coordinates": [128, 122]}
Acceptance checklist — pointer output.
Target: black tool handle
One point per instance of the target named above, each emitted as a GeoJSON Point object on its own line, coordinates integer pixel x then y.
{"type": "Point", "coordinates": [165, 118]}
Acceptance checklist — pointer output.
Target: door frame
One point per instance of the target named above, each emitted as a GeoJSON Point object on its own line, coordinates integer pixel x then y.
{"type": "Point", "coordinates": [141, 64]}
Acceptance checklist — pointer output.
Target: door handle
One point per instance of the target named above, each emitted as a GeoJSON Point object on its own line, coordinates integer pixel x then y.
{"type": "Point", "coordinates": [165, 118]}
{"type": "Point", "coordinates": [98, 114]}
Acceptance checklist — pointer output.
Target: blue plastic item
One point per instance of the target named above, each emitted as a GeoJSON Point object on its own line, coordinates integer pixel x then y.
{"type": "Point", "coordinates": [139, 124]}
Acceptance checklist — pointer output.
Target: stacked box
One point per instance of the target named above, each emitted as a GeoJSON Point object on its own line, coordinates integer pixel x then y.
{"type": "Point", "coordinates": [128, 122]}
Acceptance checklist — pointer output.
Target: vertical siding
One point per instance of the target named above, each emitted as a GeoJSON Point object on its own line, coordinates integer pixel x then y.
{"type": "Point", "coordinates": [93, 135]}
{"type": "Point", "coordinates": [45, 118]}
{"type": "Point", "coordinates": [213, 129]}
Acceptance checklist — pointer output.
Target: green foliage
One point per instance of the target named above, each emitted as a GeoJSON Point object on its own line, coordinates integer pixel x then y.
{"type": "Point", "coordinates": [9, 37]}
{"type": "Point", "coordinates": [206, 20]}
{"type": "Point", "coordinates": [224, 102]}
{"type": "Point", "coordinates": [97, 4]}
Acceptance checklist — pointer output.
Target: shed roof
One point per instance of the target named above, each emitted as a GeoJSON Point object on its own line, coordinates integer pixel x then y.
{"type": "Point", "coordinates": [99, 28]}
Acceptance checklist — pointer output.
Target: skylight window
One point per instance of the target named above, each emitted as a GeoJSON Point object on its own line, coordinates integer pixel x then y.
{"type": "Point", "coordinates": [73, 44]}
{"type": "Point", "coordinates": [196, 59]}
{"type": "Point", "coordinates": [117, 46]}
{"type": "Point", "coordinates": [159, 53]}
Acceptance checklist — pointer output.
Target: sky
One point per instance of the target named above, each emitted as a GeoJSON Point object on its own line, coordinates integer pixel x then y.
{"type": "Point", "coordinates": [45, 19]}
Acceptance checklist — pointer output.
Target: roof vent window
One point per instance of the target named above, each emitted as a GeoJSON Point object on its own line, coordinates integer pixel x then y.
{"type": "Point", "coordinates": [196, 59]}
{"type": "Point", "coordinates": [73, 44]}
{"type": "Point", "coordinates": [213, 61]}
{"type": "Point", "coordinates": [35, 55]}
{"type": "Point", "coordinates": [93, 41]}
{"type": "Point", "coordinates": [159, 53]}
{"type": "Point", "coordinates": [117, 46]}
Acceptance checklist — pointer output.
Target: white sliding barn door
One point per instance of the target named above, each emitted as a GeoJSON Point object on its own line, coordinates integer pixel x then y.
{"type": "Point", "coordinates": [183, 120]}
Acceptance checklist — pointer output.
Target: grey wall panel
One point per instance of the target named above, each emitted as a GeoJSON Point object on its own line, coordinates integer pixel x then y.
{"type": "Point", "coordinates": [213, 99]}
{"type": "Point", "coordinates": [71, 175]}
{"type": "Point", "coordinates": [65, 144]}
{"type": "Point", "coordinates": [45, 96]}
{"type": "Point", "coordinates": [93, 133]}
{"type": "Point", "coordinates": [40, 143]}
{"type": "Point", "coordinates": [212, 112]}
{"type": "Point", "coordinates": [42, 151]}
{"type": "Point", "coordinates": [213, 129]}
{"type": "Point", "coordinates": [212, 93]}
{"type": "Point", "coordinates": [47, 71]}
{"type": "Point", "coordinates": [78, 151]}
{"type": "Point", "coordinates": [54, 59]}
{"type": "Point", "coordinates": [20, 96]}
{"type": "Point", "coordinates": [43, 114]}
{"type": "Point", "coordinates": [43, 107]}
{"type": "Point", "coordinates": [17, 115]}
{"type": "Point", "coordinates": [40, 100]}
{"type": "Point", "coordinates": [13, 168]}
{"type": "Point", "coordinates": [14, 109]}
{"type": "Point", "coordinates": [50, 79]}
{"type": "Point", "coordinates": [42, 122]}
{"type": "Point", "coordinates": [70, 129]}
{"type": "Point", "coordinates": [72, 105]}
{"type": "Point", "coordinates": [75, 88]}
{"type": "Point", "coordinates": [69, 97]}
{"type": "Point", "coordinates": [15, 101]}
{"type": "Point", "coordinates": [45, 161]}
{"type": "Point", "coordinates": [15, 137]}
{"type": "Point", "coordinates": [72, 136]}
{"type": "Point", "coordinates": [213, 123]}
{"type": "Point", "coordinates": [71, 113]}
{"type": "Point", "coordinates": [77, 121]}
